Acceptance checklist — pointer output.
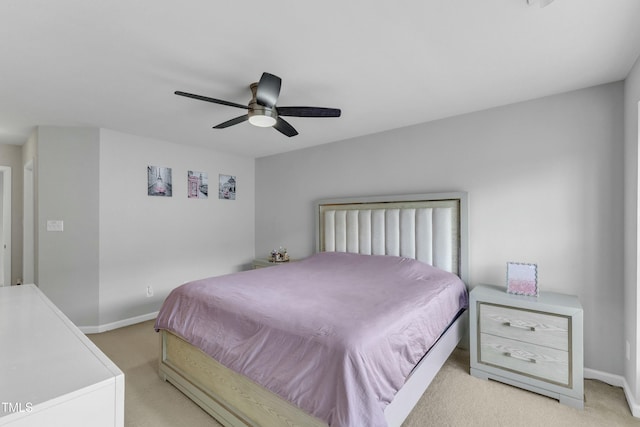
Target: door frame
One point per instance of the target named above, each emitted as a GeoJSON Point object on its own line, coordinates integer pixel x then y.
{"type": "Point", "coordinates": [28, 224]}
{"type": "Point", "coordinates": [6, 223]}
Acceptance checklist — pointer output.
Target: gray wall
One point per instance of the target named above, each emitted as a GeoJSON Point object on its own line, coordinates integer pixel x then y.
{"type": "Point", "coordinates": [117, 240]}
{"type": "Point", "coordinates": [632, 97]}
{"type": "Point", "coordinates": [68, 190]}
{"type": "Point", "coordinates": [166, 241]}
{"type": "Point", "coordinates": [545, 186]}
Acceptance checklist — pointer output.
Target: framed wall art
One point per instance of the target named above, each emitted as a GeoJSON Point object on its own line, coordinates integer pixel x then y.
{"type": "Point", "coordinates": [227, 187]}
{"type": "Point", "coordinates": [522, 279]}
{"type": "Point", "coordinates": [197, 185]}
{"type": "Point", "coordinates": [159, 181]}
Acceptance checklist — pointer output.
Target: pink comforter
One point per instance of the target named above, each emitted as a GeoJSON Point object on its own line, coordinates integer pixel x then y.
{"type": "Point", "coordinates": [336, 334]}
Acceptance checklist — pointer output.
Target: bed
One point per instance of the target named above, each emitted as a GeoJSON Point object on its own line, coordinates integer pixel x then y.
{"type": "Point", "coordinates": [229, 365]}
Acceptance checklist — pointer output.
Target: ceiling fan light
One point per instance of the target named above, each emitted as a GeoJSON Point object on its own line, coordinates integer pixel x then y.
{"type": "Point", "coordinates": [262, 121]}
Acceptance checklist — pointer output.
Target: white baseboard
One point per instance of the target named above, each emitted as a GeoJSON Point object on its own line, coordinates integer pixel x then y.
{"type": "Point", "coordinates": [119, 324]}
{"type": "Point", "coordinates": [634, 406]}
{"type": "Point", "coordinates": [616, 381]}
{"type": "Point", "coordinates": [605, 377]}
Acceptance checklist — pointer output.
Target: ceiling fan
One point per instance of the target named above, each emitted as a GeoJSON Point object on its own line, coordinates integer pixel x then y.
{"type": "Point", "coordinates": [263, 111]}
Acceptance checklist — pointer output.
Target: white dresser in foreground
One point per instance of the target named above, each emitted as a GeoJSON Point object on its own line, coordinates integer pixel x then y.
{"type": "Point", "coordinates": [51, 374]}
{"type": "Point", "coordinates": [534, 343]}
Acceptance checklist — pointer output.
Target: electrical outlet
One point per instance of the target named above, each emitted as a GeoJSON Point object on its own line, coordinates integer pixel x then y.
{"type": "Point", "coordinates": [55, 225]}
{"type": "Point", "coordinates": [149, 291]}
{"type": "Point", "coordinates": [628, 350]}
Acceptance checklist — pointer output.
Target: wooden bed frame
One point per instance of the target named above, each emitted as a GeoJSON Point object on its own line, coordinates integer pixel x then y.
{"type": "Point", "coordinates": [346, 225]}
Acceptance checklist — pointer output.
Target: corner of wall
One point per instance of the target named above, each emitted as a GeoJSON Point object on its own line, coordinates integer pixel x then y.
{"type": "Point", "coordinates": [631, 229]}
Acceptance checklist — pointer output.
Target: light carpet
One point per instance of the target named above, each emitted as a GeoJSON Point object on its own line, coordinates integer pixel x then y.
{"type": "Point", "coordinates": [454, 398]}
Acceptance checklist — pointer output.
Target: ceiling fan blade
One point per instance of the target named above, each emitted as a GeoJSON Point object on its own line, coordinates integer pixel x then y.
{"type": "Point", "coordinates": [206, 98]}
{"type": "Point", "coordinates": [232, 122]}
{"type": "Point", "coordinates": [284, 127]}
{"type": "Point", "coordinates": [268, 90]}
{"type": "Point", "coordinates": [308, 112]}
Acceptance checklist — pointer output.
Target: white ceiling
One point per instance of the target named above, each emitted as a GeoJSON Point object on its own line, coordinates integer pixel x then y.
{"type": "Point", "coordinates": [115, 64]}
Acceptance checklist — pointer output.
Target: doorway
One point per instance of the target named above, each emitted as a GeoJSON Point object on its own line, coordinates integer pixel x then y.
{"type": "Point", "coordinates": [28, 226]}
{"type": "Point", "coordinates": [5, 227]}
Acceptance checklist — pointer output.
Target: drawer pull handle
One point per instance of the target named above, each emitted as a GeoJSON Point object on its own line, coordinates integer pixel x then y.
{"type": "Point", "coordinates": [526, 359]}
{"type": "Point", "coordinates": [528, 328]}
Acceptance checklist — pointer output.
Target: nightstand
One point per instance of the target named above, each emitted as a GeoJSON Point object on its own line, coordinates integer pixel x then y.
{"type": "Point", "coordinates": [264, 262]}
{"type": "Point", "coordinates": [534, 343]}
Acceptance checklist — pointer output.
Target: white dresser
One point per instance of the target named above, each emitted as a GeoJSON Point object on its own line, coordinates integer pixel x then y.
{"type": "Point", "coordinates": [51, 374]}
{"type": "Point", "coordinates": [534, 343]}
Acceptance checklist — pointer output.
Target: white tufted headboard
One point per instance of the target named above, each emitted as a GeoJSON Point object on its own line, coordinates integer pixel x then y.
{"type": "Point", "coordinates": [431, 228]}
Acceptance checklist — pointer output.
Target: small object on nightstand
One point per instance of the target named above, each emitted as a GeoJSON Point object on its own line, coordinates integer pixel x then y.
{"type": "Point", "coordinates": [279, 255]}
{"type": "Point", "coordinates": [534, 343]}
{"type": "Point", "coordinates": [522, 279]}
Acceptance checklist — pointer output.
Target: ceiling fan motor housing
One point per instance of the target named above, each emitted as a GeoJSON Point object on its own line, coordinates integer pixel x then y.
{"type": "Point", "coordinates": [259, 115]}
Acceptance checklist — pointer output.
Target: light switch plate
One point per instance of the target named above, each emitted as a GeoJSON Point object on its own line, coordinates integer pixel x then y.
{"type": "Point", "coordinates": [55, 225]}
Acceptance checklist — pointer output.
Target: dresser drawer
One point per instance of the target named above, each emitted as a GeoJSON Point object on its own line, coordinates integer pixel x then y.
{"type": "Point", "coordinates": [533, 360]}
{"type": "Point", "coordinates": [533, 327]}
